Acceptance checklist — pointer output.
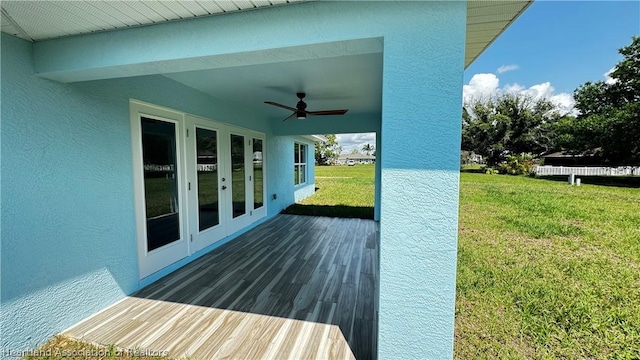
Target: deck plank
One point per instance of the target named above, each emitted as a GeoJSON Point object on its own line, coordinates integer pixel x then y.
{"type": "Point", "coordinates": [294, 287]}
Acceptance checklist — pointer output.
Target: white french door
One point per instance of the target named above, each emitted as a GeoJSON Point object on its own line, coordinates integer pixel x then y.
{"type": "Point", "coordinates": [238, 194]}
{"type": "Point", "coordinates": [206, 182]}
{"type": "Point", "coordinates": [158, 158]}
{"type": "Point", "coordinates": [196, 182]}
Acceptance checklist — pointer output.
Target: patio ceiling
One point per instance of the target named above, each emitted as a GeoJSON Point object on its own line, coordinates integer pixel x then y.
{"type": "Point", "coordinates": [347, 82]}
{"type": "Point", "coordinates": [331, 81]}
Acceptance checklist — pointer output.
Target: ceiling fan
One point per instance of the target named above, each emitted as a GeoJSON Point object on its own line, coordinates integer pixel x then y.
{"type": "Point", "coordinates": [301, 109]}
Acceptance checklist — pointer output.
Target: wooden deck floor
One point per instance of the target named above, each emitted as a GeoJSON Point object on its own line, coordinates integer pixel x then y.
{"type": "Point", "coordinates": [295, 287]}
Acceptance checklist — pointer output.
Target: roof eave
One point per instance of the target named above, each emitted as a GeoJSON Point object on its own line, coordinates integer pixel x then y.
{"type": "Point", "coordinates": [499, 33]}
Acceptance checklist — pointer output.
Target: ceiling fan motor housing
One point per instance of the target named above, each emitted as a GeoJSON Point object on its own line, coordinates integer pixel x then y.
{"type": "Point", "coordinates": [302, 106]}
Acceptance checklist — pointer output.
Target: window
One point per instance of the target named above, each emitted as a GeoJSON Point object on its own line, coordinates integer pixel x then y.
{"type": "Point", "coordinates": [258, 193]}
{"type": "Point", "coordinates": [299, 163]}
{"type": "Point", "coordinates": [161, 192]}
{"type": "Point", "coordinates": [238, 175]}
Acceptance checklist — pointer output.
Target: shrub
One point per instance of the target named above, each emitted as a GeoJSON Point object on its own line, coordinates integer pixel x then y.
{"type": "Point", "coordinates": [518, 165]}
{"type": "Point", "coordinates": [489, 170]}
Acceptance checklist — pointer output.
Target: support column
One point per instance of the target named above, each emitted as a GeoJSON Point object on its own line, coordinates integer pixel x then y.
{"type": "Point", "coordinates": [420, 146]}
{"type": "Point", "coordinates": [378, 174]}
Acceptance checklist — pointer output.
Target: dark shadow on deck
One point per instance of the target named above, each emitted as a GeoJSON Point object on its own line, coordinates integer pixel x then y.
{"type": "Point", "coordinates": [318, 269]}
{"type": "Point", "coordinates": [341, 211]}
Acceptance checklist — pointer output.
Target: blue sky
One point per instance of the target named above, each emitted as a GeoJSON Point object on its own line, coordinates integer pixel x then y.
{"type": "Point", "coordinates": [565, 43]}
{"type": "Point", "coordinates": [555, 46]}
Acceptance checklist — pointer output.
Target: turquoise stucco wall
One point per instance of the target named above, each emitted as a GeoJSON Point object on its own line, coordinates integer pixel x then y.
{"type": "Point", "coordinates": [62, 140]}
{"type": "Point", "coordinates": [420, 183]}
{"type": "Point", "coordinates": [68, 231]}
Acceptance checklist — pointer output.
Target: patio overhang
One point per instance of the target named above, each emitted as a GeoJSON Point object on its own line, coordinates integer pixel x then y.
{"type": "Point", "coordinates": [237, 56]}
{"type": "Point", "coordinates": [30, 20]}
{"type": "Point", "coordinates": [243, 60]}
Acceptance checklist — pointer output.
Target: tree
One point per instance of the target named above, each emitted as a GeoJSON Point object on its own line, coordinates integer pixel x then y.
{"type": "Point", "coordinates": [368, 148]}
{"type": "Point", "coordinates": [590, 98]}
{"type": "Point", "coordinates": [609, 118]}
{"type": "Point", "coordinates": [508, 124]}
{"type": "Point", "coordinates": [355, 152]}
{"type": "Point", "coordinates": [327, 152]}
{"type": "Point", "coordinates": [625, 88]}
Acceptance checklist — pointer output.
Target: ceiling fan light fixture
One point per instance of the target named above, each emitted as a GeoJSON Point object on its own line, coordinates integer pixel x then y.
{"type": "Point", "coordinates": [300, 111]}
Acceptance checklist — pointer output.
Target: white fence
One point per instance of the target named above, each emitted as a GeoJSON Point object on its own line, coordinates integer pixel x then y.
{"type": "Point", "coordinates": [207, 167]}
{"type": "Point", "coordinates": [201, 167]}
{"type": "Point", "coordinates": [154, 167]}
{"type": "Point", "coordinates": [587, 170]}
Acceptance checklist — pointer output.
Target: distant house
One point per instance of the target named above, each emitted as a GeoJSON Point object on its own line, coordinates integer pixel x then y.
{"type": "Point", "coordinates": [563, 158]}
{"type": "Point", "coordinates": [358, 158]}
{"type": "Point", "coordinates": [469, 157]}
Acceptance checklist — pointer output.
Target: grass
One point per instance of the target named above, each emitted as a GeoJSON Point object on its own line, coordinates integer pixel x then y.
{"type": "Point", "coordinates": [341, 191]}
{"type": "Point", "coordinates": [62, 347]}
{"type": "Point", "coordinates": [547, 270]}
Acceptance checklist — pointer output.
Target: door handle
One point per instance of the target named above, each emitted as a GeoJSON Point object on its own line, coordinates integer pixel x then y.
{"type": "Point", "coordinates": [223, 179]}
{"type": "Point", "coordinates": [223, 187]}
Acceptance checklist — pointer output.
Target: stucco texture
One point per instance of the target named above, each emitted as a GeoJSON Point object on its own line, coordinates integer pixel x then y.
{"type": "Point", "coordinates": [68, 229]}
{"type": "Point", "coordinates": [68, 232]}
{"type": "Point", "coordinates": [420, 182]}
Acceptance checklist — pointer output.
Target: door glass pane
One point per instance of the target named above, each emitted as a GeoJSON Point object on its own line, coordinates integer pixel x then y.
{"type": "Point", "coordinates": [238, 175]}
{"type": "Point", "coordinates": [257, 173]}
{"type": "Point", "coordinates": [160, 182]}
{"type": "Point", "coordinates": [207, 162]}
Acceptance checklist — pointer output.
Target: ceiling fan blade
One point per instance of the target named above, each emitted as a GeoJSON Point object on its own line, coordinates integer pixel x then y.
{"type": "Point", "coordinates": [290, 116]}
{"type": "Point", "coordinates": [328, 112]}
{"type": "Point", "coordinates": [280, 105]}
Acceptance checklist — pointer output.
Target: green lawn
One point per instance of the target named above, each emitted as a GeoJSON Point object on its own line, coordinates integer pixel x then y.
{"type": "Point", "coordinates": [343, 185]}
{"type": "Point", "coordinates": [343, 191]}
{"type": "Point", "coordinates": [545, 270]}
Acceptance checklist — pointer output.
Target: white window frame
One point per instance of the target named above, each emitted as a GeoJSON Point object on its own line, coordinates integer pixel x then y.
{"type": "Point", "coordinates": [300, 162]}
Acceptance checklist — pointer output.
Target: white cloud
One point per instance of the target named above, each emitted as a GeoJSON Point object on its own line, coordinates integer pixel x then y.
{"type": "Point", "coordinates": [348, 142]}
{"type": "Point", "coordinates": [481, 86]}
{"type": "Point", "coordinates": [513, 88]}
{"type": "Point", "coordinates": [505, 68]}
{"type": "Point", "coordinates": [539, 91]}
{"type": "Point", "coordinates": [607, 76]}
{"type": "Point", "coordinates": [565, 103]}
{"type": "Point", "coordinates": [484, 86]}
